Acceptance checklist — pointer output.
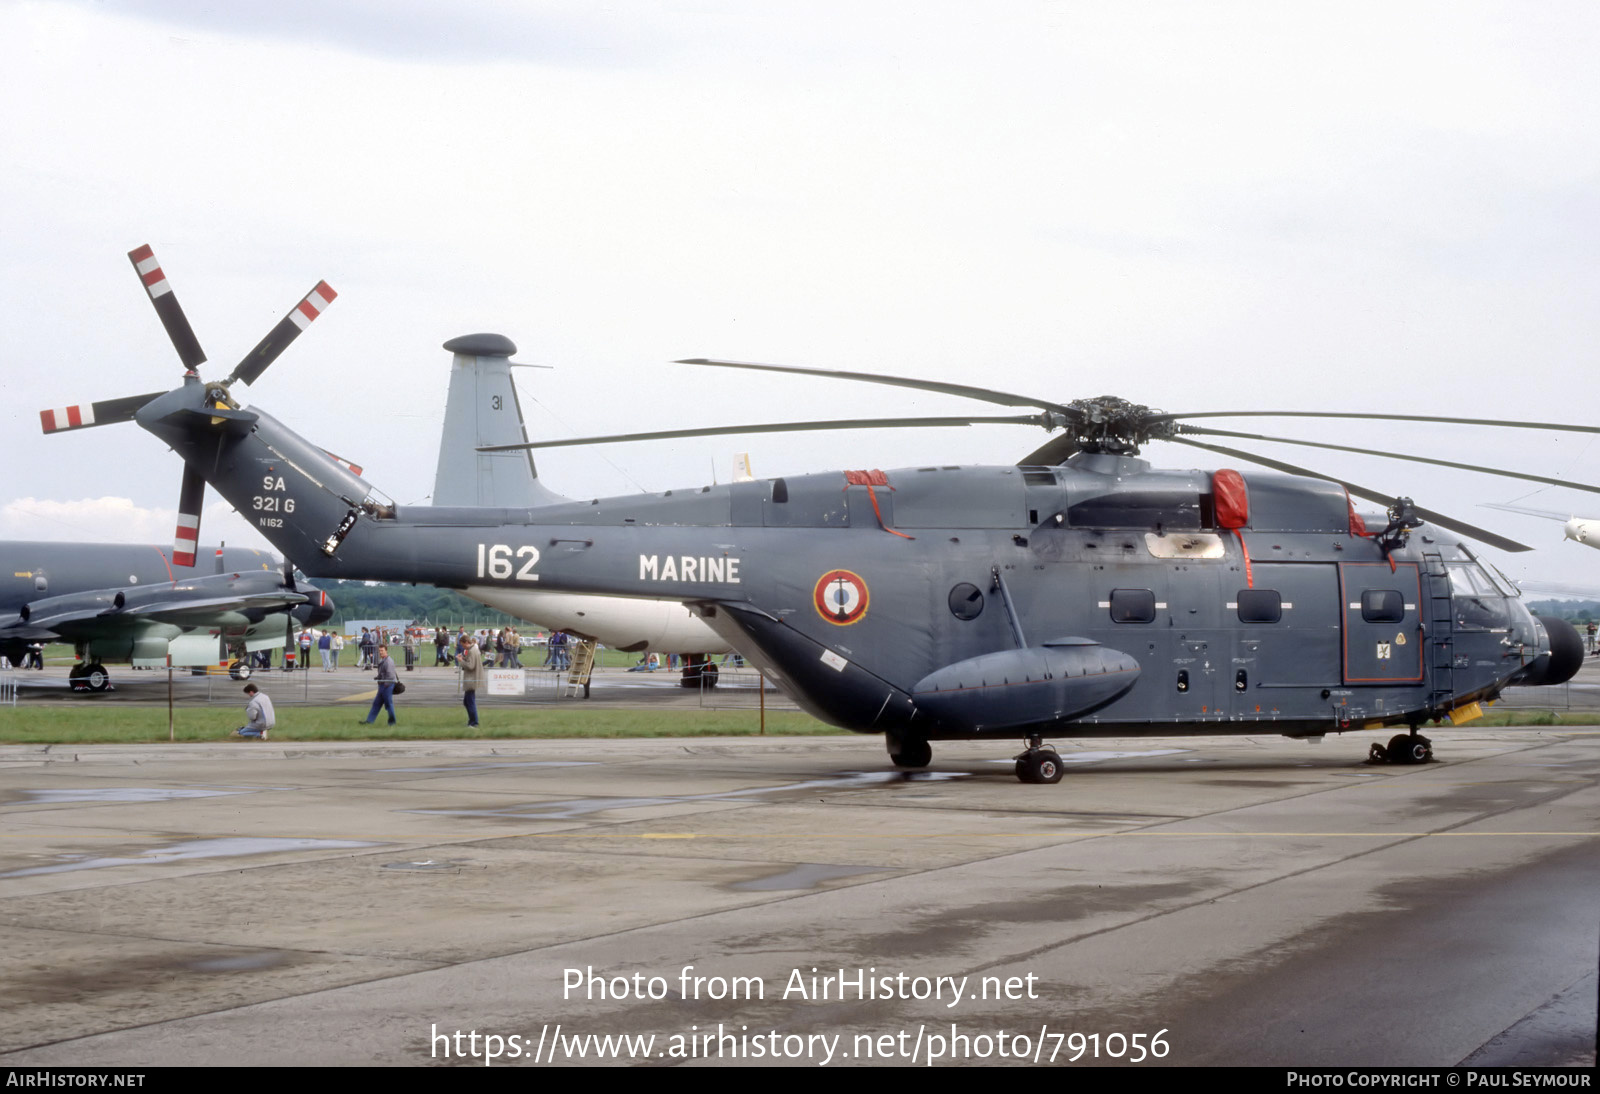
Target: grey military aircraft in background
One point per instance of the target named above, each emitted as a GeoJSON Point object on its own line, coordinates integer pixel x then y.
{"type": "Point", "coordinates": [129, 603]}
{"type": "Point", "coordinates": [1080, 592]}
{"type": "Point", "coordinates": [1584, 530]}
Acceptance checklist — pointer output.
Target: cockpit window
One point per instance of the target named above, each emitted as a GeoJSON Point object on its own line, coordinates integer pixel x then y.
{"type": "Point", "coordinates": [1467, 580]}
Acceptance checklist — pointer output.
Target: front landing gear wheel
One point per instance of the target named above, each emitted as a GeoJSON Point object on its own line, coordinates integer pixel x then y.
{"type": "Point", "coordinates": [95, 677]}
{"type": "Point", "coordinates": [1409, 748]}
{"type": "Point", "coordinates": [239, 670]}
{"type": "Point", "coordinates": [908, 751]}
{"type": "Point", "coordinates": [1039, 765]}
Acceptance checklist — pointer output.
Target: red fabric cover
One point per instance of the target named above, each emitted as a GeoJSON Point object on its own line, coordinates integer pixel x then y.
{"type": "Point", "coordinates": [1358, 527]}
{"type": "Point", "coordinates": [866, 478]}
{"type": "Point", "coordinates": [1232, 499]}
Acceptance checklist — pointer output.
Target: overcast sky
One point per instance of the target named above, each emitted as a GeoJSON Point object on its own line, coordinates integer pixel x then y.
{"type": "Point", "coordinates": [1352, 206]}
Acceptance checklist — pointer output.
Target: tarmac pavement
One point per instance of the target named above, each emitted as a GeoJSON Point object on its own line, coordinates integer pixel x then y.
{"type": "Point", "coordinates": [1220, 900]}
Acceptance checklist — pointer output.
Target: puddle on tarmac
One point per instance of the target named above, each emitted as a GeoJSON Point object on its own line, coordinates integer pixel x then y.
{"type": "Point", "coordinates": [131, 794]}
{"type": "Point", "coordinates": [241, 962]}
{"type": "Point", "coordinates": [488, 766]}
{"type": "Point", "coordinates": [195, 849]}
{"type": "Point", "coordinates": [807, 875]}
{"type": "Point", "coordinates": [579, 807]}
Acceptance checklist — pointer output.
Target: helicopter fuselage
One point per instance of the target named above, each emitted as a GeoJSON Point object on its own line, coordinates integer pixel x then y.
{"type": "Point", "coordinates": [944, 602]}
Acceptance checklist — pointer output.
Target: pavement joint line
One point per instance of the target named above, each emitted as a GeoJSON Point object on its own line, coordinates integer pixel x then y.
{"type": "Point", "coordinates": [1066, 834]}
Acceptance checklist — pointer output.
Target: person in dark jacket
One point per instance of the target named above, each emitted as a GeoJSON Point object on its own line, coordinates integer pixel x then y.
{"type": "Point", "coordinates": [387, 679]}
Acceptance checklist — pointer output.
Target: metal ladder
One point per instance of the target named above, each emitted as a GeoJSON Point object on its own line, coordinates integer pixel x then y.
{"type": "Point", "coordinates": [1441, 631]}
{"type": "Point", "coordinates": [581, 670]}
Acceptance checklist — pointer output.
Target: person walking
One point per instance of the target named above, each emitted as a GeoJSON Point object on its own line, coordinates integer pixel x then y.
{"type": "Point", "coordinates": [387, 679]}
{"type": "Point", "coordinates": [409, 644]}
{"type": "Point", "coordinates": [472, 678]}
{"type": "Point", "coordinates": [440, 641]}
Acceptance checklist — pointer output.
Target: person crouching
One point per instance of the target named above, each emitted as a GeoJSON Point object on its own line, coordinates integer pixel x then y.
{"type": "Point", "coordinates": [259, 715]}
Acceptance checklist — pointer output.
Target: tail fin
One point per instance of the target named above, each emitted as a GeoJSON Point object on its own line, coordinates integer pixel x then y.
{"type": "Point", "coordinates": [483, 409]}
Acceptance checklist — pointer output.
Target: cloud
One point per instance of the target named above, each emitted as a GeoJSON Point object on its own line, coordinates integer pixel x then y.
{"type": "Point", "coordinates": [116, 520]}
{"type": "Point", "coordinates": [413, 30]}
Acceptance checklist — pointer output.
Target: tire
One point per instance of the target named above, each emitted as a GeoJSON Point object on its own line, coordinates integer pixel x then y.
{"type": "Point", "coordinates": [908, 751]}
{"type": "Point", "coordinates": [1419, 750]}
{"type": "Point", "coordinates": [1039, 766]}
{"type": "Point", "coordinates": [95, 677]}
{"type": "Point", "coordinates": [1404, 748]}
{"type": "Point", "coordinates": [239, 670]}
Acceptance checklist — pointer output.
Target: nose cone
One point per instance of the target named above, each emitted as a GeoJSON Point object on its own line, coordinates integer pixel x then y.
{"type": "Point", "coordinates": [321, 606]}
{"type": "Point", "coordinates": [1574, 530]}
{"type": "Point", "coordinates": [1561, 663]}
{"type": "Point", "coordinates": [317, 609]}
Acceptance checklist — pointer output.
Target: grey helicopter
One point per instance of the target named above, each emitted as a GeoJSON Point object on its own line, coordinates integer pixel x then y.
{"type": "Point", "coordinates": [1079, 592]}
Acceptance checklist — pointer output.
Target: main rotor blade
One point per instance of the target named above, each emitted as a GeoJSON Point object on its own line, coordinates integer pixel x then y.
{"type": "Point", "coordinates": [191, 496]}
{"type": "Point", "coordinates": [1375, 417]}
{"type": "Point", "coordinates": [1472, 531]}
{"type": "Point", "coordinates": [987, 395]}
{"type": "Point", "coordinates": [288, 329]}
{"type": "Point", "coordinates": [167, 307]}
{"type": "Point", "coordinates": [1394, 456]}
{"type": "Point", "coordinates": [1547, 514]}
{"type": "Point", "coordinates": [1053, 452]}
{"type": "Point", "coordinates": [84, 415]}
{"type": "Point", "coordinates": [772, 427]}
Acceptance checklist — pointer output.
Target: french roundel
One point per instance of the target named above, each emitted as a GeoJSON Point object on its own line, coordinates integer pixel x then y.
{"type": "Point", "coordinates": [840, 597]}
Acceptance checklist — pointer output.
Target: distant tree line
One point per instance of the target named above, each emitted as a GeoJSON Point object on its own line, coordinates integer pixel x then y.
{"type": "Point", "coordinates": [1573, 611]}
{"type": "Point", "coordinates": [366, 600]}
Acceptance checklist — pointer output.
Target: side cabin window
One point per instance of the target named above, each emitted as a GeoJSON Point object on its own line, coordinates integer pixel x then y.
{"type": "Point", "coordinates": [1133, 606]}
{"type": "Point", "coordinates": [1260, 605]}
{"type": "Point", "coordinates": [1383, 606]}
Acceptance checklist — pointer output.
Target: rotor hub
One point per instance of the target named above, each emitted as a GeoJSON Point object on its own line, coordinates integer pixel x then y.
{"type": "Point", "coordinates": [1110, 424]}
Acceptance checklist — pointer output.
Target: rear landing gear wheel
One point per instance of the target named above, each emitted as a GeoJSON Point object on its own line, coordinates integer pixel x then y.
{"type": "Point", "coordinates": [238, 670]}
{"type": "Point", "coordinates": [95, 677]}
{"type": "Point", "coordinates": [908, 751]}
{"type": "Point", "coordinates": [1039, 765]}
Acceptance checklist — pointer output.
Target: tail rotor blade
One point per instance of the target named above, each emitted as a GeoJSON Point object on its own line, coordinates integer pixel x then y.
{"type": "Point", "coordinates": [191, 497]}
{"type": "Point", "coordinates": [84, 415]}
{"type": "Point", "coordinates": [167, 307]}
{"type": "Point", "coordinates": [288, 329]}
